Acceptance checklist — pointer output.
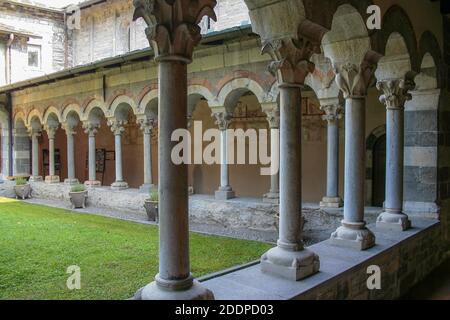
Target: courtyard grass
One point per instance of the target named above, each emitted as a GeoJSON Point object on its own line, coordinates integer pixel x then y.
{"type": "Point", "coordinates": [38, 244]}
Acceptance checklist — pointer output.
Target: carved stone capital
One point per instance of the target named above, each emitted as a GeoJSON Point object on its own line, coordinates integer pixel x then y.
{"type": "Point", "coordinates": [172, 25]}
{"type": "Point", "coordinates": [147, 124]}
{"type": "Point", "coordinates": [34, 132]}
{"type": "Point", "coordinates": [68, 128]}
{"type": "Point", "coordinates": [395, 92]}
{"type": "Point", "coordinates": [117, 126]}
{"type": "Point", "coordinates": [353, 80]}
{"type": "Point", "coordinates": [290, 59]}
{"type": "Point", "coordinates": [223, 120]}
{"type": "Point", "coordinates": [51, 130]}
{"type": "Point", "coordinates": [91, 128]}
{"type": "Point", "coordinates": [332, 112]}
{"type": "Point", "coordinates": [273, 117]}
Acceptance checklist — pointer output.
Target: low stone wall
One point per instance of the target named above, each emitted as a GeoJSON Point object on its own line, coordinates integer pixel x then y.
{"type": "Point", "coordinates": [241, 217]}
{"type": "Point", "coordinates": [403, 258]}
{"type": "Point", "coordinates": [402, 266]}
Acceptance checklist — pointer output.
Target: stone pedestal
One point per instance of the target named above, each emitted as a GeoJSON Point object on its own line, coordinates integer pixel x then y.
{"type": "Point", "coordinates": [36, 179]}
{"type": "Point", "coordinates": [119, 185]}
{"type": "Point", "coordinates": [353, 235]}
{"type": "Point", "coordinates": [225, 193]}
{"type": "Point", "coordinates": [71, 181]}
{"type": "Point", "coordinates": [92, 183]}
{"type": "Point", "coordinates": [154, 292]}
{"type": "Point", "coordinates": [331, 202]}
{"type": "Point", "coordinates": [52, 179]}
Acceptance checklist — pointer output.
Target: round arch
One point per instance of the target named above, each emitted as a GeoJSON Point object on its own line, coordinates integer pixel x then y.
{"type": "Point", "coordinates": [233, 90]}
{"type": "Point", "coordinates": [71, 108]}
{"type": "Point", "coordinates": [93, 104]}
{"type": "Point", "coordinates": [49, 111]}
{"type": "Point", "coordinates": [148, 97]}
{"type": "Point", "coordinates": [35, 113]}
{"type": "Point", "coordinates": [123, 99]}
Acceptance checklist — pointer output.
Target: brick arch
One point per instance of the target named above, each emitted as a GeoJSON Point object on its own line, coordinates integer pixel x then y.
{"type": "Point", "coordinates": [370, 145]}
{"type": "Point", "coordinates": [122, 99]}
{"type": "Point", "coordinates": [34, 113]}
{"type": "Point", "coordinates": [72, 107]}
{"type": "Point", "coordinates": [51, 110]}
{"type": "Point", "coordinates": [91, 105]}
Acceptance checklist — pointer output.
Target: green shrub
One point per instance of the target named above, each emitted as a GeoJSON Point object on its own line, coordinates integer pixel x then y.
{"type": "Point", "coordinates": [154, 195]}
{"type": "Point", "coordinates": [20, 181]}
{"type": "Point", "coordinates": [78, 188]}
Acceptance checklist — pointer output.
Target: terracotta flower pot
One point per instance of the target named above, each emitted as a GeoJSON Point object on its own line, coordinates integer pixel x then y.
{"type": "Point", "coordinates": [23, 192]}
{"type": "Point", "coordinates": [78, 199]}
{"type": "Point", "coordinates": [151, 207]}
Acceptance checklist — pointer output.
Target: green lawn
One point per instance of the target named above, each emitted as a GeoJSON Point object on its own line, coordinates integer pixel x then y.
{"type": "Point", "coordinates": [38, 243]}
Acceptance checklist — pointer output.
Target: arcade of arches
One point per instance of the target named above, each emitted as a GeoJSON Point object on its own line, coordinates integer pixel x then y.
{"type": "Point", "coordinates": [345, 100]}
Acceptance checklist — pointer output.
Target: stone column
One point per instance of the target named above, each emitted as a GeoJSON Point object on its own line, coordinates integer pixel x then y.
{"type": "Point", "coordinates": [173, 32]}
{"type": "Point", "coordinates": [273, 117]}
{"type": "Point", "coordinates": [290, 259]}
{"type": "Point", "coordinates": [353, 81]}
{"type": "Point", "coordinates": [117, 127]}
{"type": "Point", "coordinates": [91, 130]}
{"type": "Point", "coordinates": [332, 116]}
{"type": "Point", "coordinates": [225, 191]}
{"type": "Point", "coordinates": [35, 134]}
{"type": "Point", "coordinates": [147, 126]}
{"type": "Point", "coordinates": [395, 94]}
{"type": "Point", "coordinates": [51, 131]}
{"type": "Point", "coordinates": [70, 132]}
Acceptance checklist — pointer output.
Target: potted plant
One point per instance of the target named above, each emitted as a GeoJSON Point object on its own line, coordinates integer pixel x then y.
{"type": "Point", "coordinates": [22, 188]}
{"type": "Point", "coordinates": [151, 206]}
{"type": "Point", "coordinates": [78, 195]}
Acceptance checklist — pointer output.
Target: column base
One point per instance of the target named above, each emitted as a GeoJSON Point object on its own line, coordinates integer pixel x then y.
{"type": "Point", "coordinates": [36, 179]}
{"type": "Point", "coordinates": [71, 182]}
{"type": "Point", "coordinates": [92, 183]}
{"type": "Point", "coordinates": [147, 187]}
{"type": "Point", "coordinates": [329, 202]}
{"type": "Point", "coordinates": [119, 185]}
{"type": "Point", "coordinates": [353, 235]}
{"type": "Point", "coordinates": [52, 179]}
{"type": "Point", "coordinates": [292, 265]}
{"type": "Point", "coordinates": [393, 221]}
{"type": "Point", "coordinates": [225, 194]}
{"type": "Point", "coordinates": [272, 197]}
{"type": "Point", "coordinates": [154, 291]}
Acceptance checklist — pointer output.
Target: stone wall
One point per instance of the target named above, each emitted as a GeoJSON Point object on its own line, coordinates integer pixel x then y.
{"type": "Point", "coordinates": [107, 28]}
{"type": "Point", "coordinates": [49, 29]}
{"type": "Point", "coordinates": [402, 266]}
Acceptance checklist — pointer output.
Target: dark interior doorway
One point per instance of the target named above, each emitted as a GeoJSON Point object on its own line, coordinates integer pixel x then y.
{"type": "Point", "coordinates": [379, 172]}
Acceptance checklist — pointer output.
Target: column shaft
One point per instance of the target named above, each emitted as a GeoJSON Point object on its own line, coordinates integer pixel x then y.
{"type": "Point", "coordinates": [173, 184]}
{"type": "Point", "coordinates": [148, 178]}
{"type": "Point", "coordinates": [70, 157]}
{"type": "Point", "coordinates": [92, 169]}
{"type": "Point", "coordinates": [224, 180]}
{"type": "Point", "coordinates": [118, 147]}
{"type": "Point", "coordinates": [394, 161]}
{"type": "Point", "coordinates": [35, 155]}
{"type": "Point", "coordinates": [51, 146]}
{"type": "Point", "coordinates": [333, 160]}
{"type": "Point", "coordinates": [290, 259]}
